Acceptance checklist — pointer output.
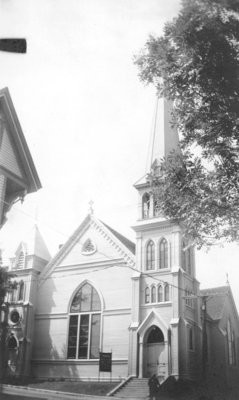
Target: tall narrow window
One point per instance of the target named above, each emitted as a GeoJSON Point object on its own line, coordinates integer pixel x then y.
{"type": "Point", "coordinates": [145, 205]}
{"type": "Point", "coordinates": [21, 291]}
{"type": "Point", "coordinates": [147, 295]}
{"type": "Point", "coordinates": [231, 345]}
{"type": "Point", "coordinates": [189, 265]}
{"type": "Point", "coordinates": [153, 294]}
{"type": "Point", "coordinates": [183, 256]}
{"type": "Point", "coordinates": [160, 293]}
{"type": "Point", "coordinates": [150, 255]}
{"type": "Point", "coordinates": [190, 338]}
{"type": "Point", "coordinates": [163, 254]}
{"type": "Point", "coordinates": [166, 292]}
{"type": "Point", "coordinates": [84, 324]}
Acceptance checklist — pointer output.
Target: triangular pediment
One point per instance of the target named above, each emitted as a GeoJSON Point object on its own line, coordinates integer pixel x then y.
{"type": "Point", "coordinates": [90, 245]}
{"type": "Point", "coordinates": [153, 318]}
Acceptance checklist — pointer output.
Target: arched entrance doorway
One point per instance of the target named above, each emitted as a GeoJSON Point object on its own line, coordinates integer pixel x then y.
{"type": "Point", "coordinates": [155, 353]}
{"type": "Point", "coordinates": [12, 347]}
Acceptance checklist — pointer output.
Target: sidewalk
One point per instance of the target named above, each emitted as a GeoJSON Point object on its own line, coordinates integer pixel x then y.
{"type": "Point", "coordinates": [49, 394]}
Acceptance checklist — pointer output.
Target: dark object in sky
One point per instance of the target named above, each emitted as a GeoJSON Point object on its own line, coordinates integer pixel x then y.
{"type": "Point", "coordinates": [13, 45]}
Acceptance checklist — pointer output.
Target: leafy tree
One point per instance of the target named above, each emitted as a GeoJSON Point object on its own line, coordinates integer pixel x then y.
{"type": "Point", "coordinates": [195, 63]}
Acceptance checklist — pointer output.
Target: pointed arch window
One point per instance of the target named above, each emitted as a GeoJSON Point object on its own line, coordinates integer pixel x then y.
{"type": "Point", "coordinates": [166, 292]}
{"type": "Point", "coordinates": [145, 205]}
{"type": "Point", "coordinates": [147, 295]}
{"type": "Point", "coordinates": [231, 344]}
{"type": "Point", "coordinates": [153, 294]}
{"type": "Point", "coordinates": [163, 254]}
{"type": "Point", "coordinates": [160, 293]}
{"type": "Point", "coordinates": [84, 324]}
{"type": "Point", "coordinates": [21, 288]}
{"type": "Point", "coordinates": [150, 255]}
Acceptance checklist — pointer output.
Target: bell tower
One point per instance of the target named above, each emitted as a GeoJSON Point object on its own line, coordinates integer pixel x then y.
{"type": "Point", "coordinates": [166, 272]}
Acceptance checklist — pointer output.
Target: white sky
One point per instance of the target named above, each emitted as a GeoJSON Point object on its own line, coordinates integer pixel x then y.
{"type": "Point", "coordinates": [86, 116]}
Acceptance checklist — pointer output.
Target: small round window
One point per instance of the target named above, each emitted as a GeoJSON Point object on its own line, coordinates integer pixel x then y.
{"type": "Point", "coordinates": [14, 317]}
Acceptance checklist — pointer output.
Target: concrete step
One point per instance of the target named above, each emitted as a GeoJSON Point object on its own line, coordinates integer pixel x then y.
{"type": "Point", "coordinates": [135, 388]}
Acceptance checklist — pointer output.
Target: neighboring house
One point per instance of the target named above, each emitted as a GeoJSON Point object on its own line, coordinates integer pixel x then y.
{"type": "Point", "coordinates": [99, 293]}
{"type": "Point", "coordinates": [222, 323]}
{"type": "Point", "coordinates": [18, 175]}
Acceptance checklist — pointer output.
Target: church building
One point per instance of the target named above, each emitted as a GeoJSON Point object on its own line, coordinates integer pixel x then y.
{"type": "Point", "coordinates": [103, 293]}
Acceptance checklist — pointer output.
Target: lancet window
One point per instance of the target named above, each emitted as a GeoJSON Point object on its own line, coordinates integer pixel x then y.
{"type": "Point", "coordinates": [153, 294]}
{"type": "Point", "coordinates": [157, 294]}
{"type": "Point", "coordinates": [163, 254]}
{"type": "Point", "coordinates": [231, 344]}
{"type": "Point", "coordinates": [145, 205]}
{"type": "Point", "coordinates": [150, 255]}
{"type": "Point", "coordinates": [84, 324]}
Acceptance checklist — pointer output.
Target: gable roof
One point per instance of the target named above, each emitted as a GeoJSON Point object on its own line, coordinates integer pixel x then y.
{"type": "Point", "coordinates": [116, 239]}
{"type": "Point", "coordinates": [216, 298]}
{"type": "Point", "coordinates": [126, 242]}
{"type": "Point", "coordinates": [19, 141]}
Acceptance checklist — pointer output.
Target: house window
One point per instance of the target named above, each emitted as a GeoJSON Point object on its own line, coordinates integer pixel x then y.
{"type": "Point", "coordinates": [147, 295]}
{"type": "Point", "coordinates": [160, 293]}
{"type": "Point", "coordinates": [145, 205]}
{"type": "Point", "coordinates": [153, 294]}
{"type": "Point", "coordinates": [231, 345]}
{"type": "Point", "coordinates": [150, 255]}
{"type": "Point", "coordinates": [163, 254]}
{"type": "Point", "coordinates": [166, 292]}
{"type": "Point", "coordinates": [84, 324]}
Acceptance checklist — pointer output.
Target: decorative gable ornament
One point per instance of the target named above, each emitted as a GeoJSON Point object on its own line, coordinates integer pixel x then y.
{"type": "Point", "coordinates": [88, 247]}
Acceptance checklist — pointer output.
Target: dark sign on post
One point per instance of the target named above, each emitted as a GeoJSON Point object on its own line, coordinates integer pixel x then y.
{"type": "Point", "coordinates": [105, 362]}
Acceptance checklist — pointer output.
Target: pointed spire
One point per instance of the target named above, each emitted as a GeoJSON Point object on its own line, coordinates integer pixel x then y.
{"type": "Point", "coordinates": [35, 245]}
{"type": "Point", "coordinates": [164, 137]}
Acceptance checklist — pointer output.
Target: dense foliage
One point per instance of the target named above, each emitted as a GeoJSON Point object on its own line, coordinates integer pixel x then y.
{"type": "Point", "coordinates": [195, 63]}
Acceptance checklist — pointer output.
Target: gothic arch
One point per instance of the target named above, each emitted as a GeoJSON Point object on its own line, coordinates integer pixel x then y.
{"type": "Point", "coordinates": [150, 255]}
{"type": "Point", "coordinates": [86, 281]}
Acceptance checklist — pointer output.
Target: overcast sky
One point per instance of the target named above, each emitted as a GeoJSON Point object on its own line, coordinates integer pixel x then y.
{"type": "Point", "coordinates": [86, 116]}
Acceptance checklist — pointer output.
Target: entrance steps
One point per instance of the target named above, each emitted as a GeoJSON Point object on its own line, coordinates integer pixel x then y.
{"type": "Point", "coordinates": [135, 388]}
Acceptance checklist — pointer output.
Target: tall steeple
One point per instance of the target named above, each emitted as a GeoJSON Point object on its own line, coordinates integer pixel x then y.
{"type": "Point", "coordinates": [164, 138]}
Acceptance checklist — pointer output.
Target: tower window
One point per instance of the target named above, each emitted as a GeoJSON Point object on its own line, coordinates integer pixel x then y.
{"type": "Point", "coordinates": [150, 255]}
{"type": "Point", "coordinates": [145, 205]}
{"type": "Point", "coordinates": [160, 293]}
{"type": "Point", "coordinates": [147, 295]}
{"type": "Point", "coordinates": [21, 261]}
{"type": "Point", "coordinates": [21, 291]}
{"type": "Point", "coordinates": [153, 294]}
{"type": "Point", "coordinates": [166, 292]}
{"type": "Point", "coordinates": [84, 324]}
{"type": "Point", "coordinates": [163, 254]}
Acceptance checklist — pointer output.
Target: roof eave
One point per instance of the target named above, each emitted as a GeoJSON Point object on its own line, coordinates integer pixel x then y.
{"type": "Point", "coordinates": [33, 181]}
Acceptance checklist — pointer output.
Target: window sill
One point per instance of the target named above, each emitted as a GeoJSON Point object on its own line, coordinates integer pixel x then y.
{"type": "Point", "coordinates": [161, 304]}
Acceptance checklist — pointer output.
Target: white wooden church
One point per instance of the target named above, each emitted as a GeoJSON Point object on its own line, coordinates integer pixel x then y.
{"type": "Point", "coordinates": [101, 292]}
